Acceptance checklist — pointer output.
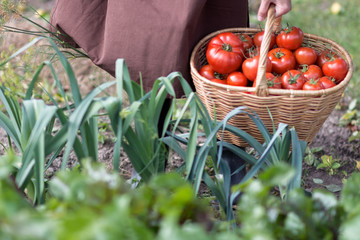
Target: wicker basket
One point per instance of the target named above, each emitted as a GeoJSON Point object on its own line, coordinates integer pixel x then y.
{"type": "Point", "coordinates": [305, 110]}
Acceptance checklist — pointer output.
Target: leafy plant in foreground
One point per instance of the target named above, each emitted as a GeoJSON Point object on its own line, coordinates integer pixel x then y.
{"type": "Point", "coordinates": [18, 220]}
{"type": "Point", "coordinates": [264, 216]}
{"type": "Point", "coordinates": [91, 203]}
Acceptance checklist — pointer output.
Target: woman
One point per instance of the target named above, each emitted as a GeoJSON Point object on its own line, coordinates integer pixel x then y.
{"type": "Point", "coordinates": [155, 37]}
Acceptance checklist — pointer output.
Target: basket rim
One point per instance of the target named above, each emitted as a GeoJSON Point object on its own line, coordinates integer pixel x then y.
{"type": "Point", "coordinates": [283, 92]}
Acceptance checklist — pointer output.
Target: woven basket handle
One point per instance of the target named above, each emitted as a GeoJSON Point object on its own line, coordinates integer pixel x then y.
{"type": "Point", "coordinates": [272, 25]}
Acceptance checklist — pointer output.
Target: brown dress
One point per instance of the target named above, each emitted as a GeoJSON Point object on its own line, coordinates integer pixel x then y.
{"type": "Point", "coordinates": [155, 37]}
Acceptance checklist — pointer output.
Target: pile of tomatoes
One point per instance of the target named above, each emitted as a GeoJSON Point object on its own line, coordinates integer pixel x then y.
{"type": "Point", "coordinates": [233, 60]}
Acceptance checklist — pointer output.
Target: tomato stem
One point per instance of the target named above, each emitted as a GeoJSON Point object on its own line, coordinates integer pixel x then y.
{"type": "Point", "coordinates": [313, 81]}
{"type": "Point", "coordinates": [288, 28]}
{"type": "Point", "coordinates": [271, 82]}
{"type": "Point", "coordinates": [252, 52]}
{"type": "Point", "coordinates": [293, 79]}
{"type": "Point", "coordinates": [278, 54]}
{"type": "Point", "coordinates": [226, 47]}
{"type": "Point", "coordinates": [332, 79]}
{"type": "Point", "coordinates": [330, 56]}
{"type": "Point", "coordinates": [219, 75]}
{"type": "Point", "coordinates": [243, 38]}
{"type": "Point", "coordinates": [304, 68]}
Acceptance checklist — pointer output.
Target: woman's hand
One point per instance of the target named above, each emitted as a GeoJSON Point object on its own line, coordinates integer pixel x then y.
{"type": "Point", "coordinates": [281, 7]}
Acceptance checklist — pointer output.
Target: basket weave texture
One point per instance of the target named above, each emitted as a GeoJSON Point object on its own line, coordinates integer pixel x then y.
{"type": "Point", "coordinates": [305, 110]}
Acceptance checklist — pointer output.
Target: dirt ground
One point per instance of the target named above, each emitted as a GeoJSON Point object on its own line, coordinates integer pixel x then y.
{"type": "Point", "coordinates": [332, 138]}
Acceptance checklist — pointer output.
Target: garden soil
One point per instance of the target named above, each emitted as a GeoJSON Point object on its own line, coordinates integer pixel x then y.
{"type": "Point", "coordinates": [332, 138]}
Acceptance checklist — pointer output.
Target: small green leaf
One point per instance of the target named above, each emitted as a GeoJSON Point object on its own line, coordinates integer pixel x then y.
{"type": "Point", "coordinates": [318, 181]}
{"type": "Point", "coordinates": [321, 165]}
{"type": "Point", "coordinates": [310, 159]}
{"type": "Point", "coordinates": [333, 188]}
{"type": "Point", "coordinates": [355, 135]}
{"type": "Point", "coordinates": [352, 104]}
{"type": "Point", "coordinates": [316, 149]}
{"type": "Point", "coordinates": [336, 165]}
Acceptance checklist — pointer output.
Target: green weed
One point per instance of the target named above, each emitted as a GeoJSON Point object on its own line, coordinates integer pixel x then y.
{"type": "Point", "coordinates": [329, 163]}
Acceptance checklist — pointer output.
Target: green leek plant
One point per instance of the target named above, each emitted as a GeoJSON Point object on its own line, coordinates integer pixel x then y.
{"type": "Point", "coordinates": [141, 142]}
{"type": "Point", "coordinates": [27, 127]}
{"type": "Point", "coordinates": [275, 149]}
{"type": "Point", "coordinates": [31, 126]}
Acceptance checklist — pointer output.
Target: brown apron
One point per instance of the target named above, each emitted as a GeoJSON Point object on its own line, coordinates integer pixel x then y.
{"type": "Point", "coordinates": [155, 37]}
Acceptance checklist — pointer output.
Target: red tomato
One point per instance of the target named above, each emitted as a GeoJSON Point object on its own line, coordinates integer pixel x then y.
{"type": "Point", "coordinates": [324, 57]}
{"type": "Point", "coordinates": [225, 53]}
{"type": "Point", "coordinates": [305, 55]}
{"type": "Point", "coordinates": [311, 71]}
{"type": "Point", "coordinates": [281, 60]}
{"type": "Point", "coordinates": [218, 80]}
{"type": "Point", "coordinates": [207, 72]}
{"type": "Point", "coordinates": [236, 79]}
{"type": "Point", "coordinates": [250, 67]}
{"type": "Point", "coordinates": [313, 85]}
{"type": "Point", "coordinates": [272, 81]}
{"type": "Point", "coordinates": [290, 38]}
{"type": "Point", "coordinates": [259, 37]}
{"type": "Point", "coordinates": [336, 69]}
{"type": "Point", "coordinates": [327, 82]}
{"type": "Point", "coordinates": [247, 41]}
{"type": "Point", "coordinates": [292, 79]}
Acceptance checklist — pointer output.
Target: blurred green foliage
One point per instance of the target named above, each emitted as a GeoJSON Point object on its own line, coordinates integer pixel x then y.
{"type": "Point", "coordinates": [91, 203]}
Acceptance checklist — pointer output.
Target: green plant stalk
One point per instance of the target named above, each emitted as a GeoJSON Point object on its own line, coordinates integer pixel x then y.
{"type": "Point", "coordinates": [39, 156]}
{"type": "Point", "coordinates": [21, 50]}
{"type": "Point", "coordinates": [76, 119]}
{"type": "Point", "coordinates": [60, 114]}
{"type": "Point", "coordinates": [12, 131]}
{"type": "Point", "coordinates": [297, 156]}
{"type": "Point", "coordinates": [69, 72]}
